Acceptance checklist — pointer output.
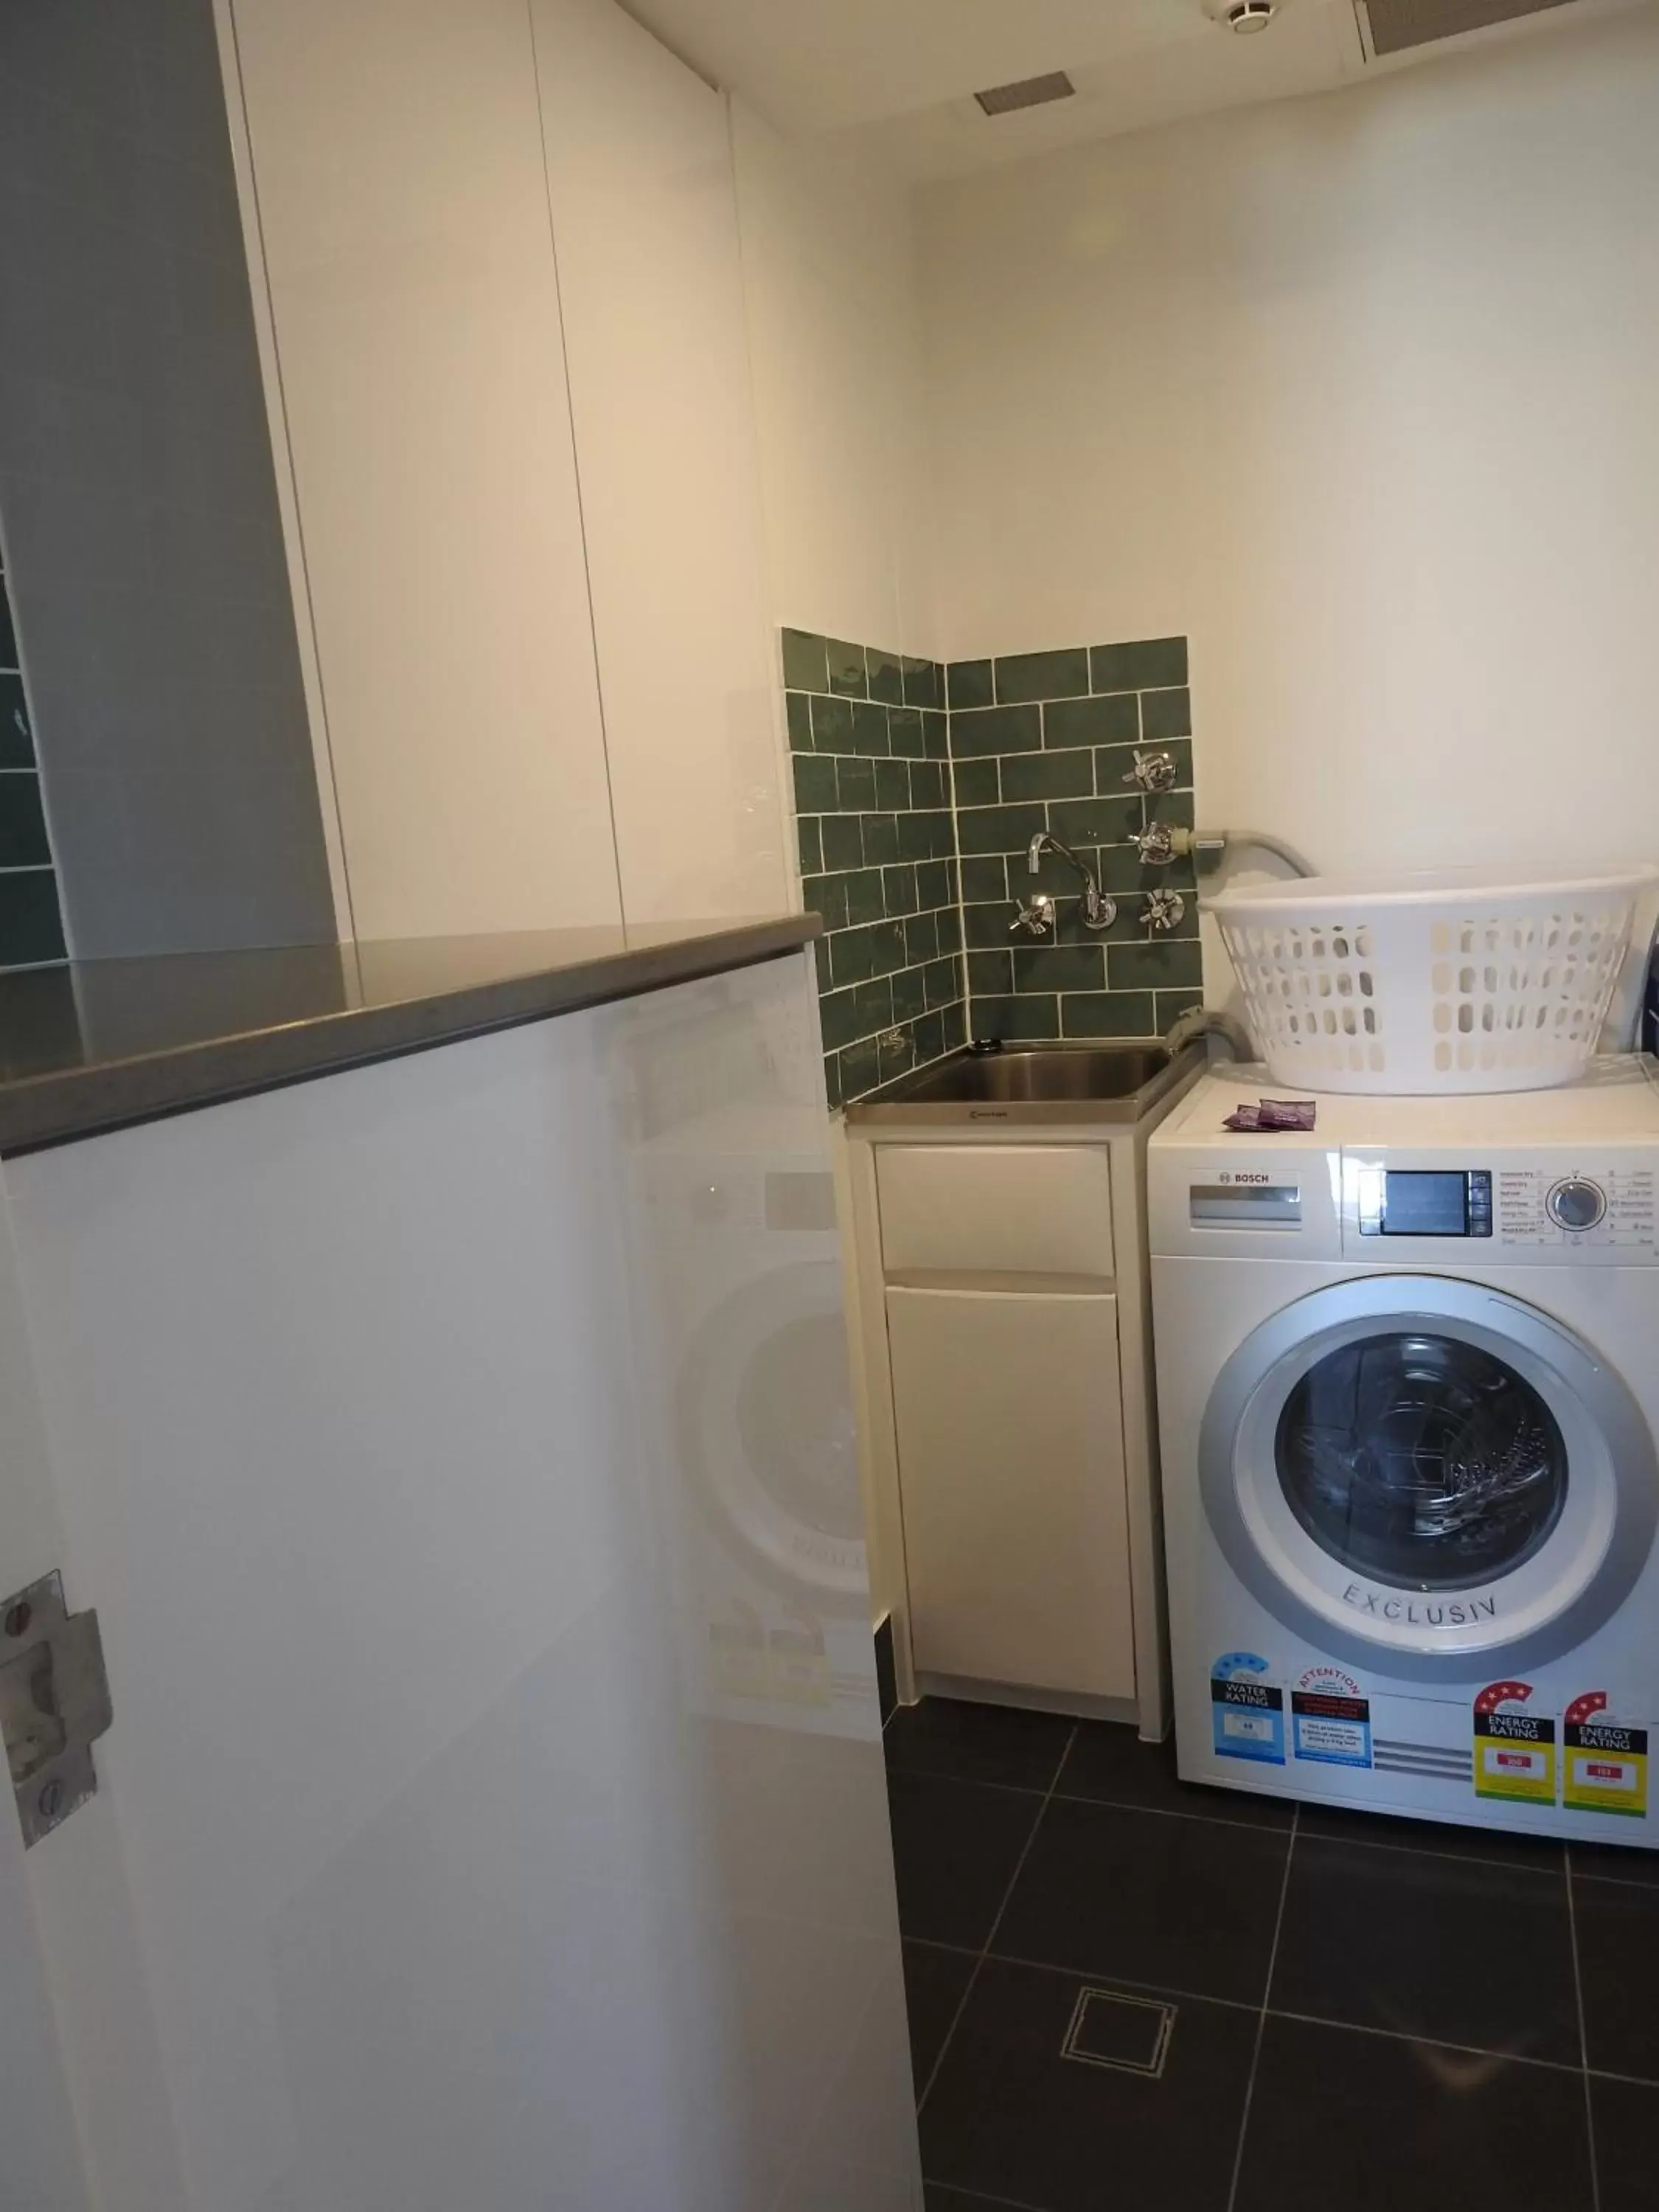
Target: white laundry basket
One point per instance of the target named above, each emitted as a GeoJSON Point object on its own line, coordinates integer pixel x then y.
{"type": "Point", "coordinates": [1455, 981]}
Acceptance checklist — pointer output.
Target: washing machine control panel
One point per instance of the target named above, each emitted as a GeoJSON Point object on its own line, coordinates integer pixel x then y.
{"type": "Point", "coordinates": [1605, 1206]}
{"type": "Point", "coordinates": [1553, 1207]}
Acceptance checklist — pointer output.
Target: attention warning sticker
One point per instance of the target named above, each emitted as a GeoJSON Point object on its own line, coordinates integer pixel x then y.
{"type": "Point", "coordinates": [1513, 1751]}
{"type": "Point", "coordinates": [1604, 1761]}
{"type": "Point", "coordinates": [1247, 1710]}
{"type": "Point", "coordinates": [1331, 1719]}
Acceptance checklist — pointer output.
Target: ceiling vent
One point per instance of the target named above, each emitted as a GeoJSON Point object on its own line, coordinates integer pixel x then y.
{"type": "Point", "coordinates": [1395, 27]}
{"type": "Point", "coordinates": [1029, 92]}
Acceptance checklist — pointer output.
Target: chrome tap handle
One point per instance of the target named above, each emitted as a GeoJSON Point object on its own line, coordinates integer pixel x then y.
{"type": "Point", "coordinates": [1163, 910]}
{"type": "Point", "coordinates": [1035, 917]}
{"type": "Point", "coordinates": [1154, 771]}
{"type": "Point", "coordinates": [1155, 844]}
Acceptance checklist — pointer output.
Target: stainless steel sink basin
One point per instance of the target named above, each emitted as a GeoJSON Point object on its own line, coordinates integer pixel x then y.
{"type": "Point", "coordinates": [1032, 1083]}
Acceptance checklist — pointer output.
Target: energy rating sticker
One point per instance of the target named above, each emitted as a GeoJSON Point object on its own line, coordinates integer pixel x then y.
{"type": "Point", "coordinates": [1604, 1762]}
{"type": "Point", "coordinates": [1247, 1710]}
{"type": "Point", "coordinates": [1513, 1751]}
{"type": "Point", "coordinates": [1331, 1718]}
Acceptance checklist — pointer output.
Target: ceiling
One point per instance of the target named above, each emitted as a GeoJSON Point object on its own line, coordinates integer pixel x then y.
{"type": "Point", "coordinates": [903, 73]}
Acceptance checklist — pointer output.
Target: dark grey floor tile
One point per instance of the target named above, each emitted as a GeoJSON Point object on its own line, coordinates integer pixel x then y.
{"type": "Point", "coordinates": [1449, 1950]}
{"type": "Point", "coordinates": [978, 1743]}
{"type": "Point", "coordinates": [1109, 1762]}
{"type": "Point", "coordinates": [934, 1983]}
{"type": "Point", "coordinates": [1504, 1849]}
{"type": "Point", "coordinates": [1614, 1863]}
{"type": "Point", "coordinates": [1129, 1896]}
{"type": "Point", "coordinates": [1625, 2116]}
{"type": "Point", "coordinates": [955, 1848]}
{"type": "Point", "coordinates": [1010, 2115]}
{"type": "Point", "coordinates": [937, 2198]}
{"type": "Point", "coordinates": [1372, 2123]}
{"type": "Point", "coordinates": [1618, 1929]}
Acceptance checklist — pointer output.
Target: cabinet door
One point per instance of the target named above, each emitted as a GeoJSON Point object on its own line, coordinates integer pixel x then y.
{"type": "Point", "coordinates": [1009, 1419]}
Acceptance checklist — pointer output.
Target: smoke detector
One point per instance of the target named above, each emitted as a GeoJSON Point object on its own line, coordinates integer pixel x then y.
{"type": "Point", "coordinates": [1243, 16]}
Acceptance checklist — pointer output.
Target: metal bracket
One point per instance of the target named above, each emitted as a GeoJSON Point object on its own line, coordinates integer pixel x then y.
{"type": "Point", "coordinates": [54, 1702]}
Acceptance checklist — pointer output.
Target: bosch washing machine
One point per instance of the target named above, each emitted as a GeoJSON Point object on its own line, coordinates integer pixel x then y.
{"type": "Point", "coordinates": [1408, 1387]}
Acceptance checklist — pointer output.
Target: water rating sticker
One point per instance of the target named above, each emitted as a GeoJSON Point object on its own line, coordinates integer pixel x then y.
{"type": "Point", "coordinates": [1331, 1718]}
{"type": "Point", "coordinates": [1247, 1710]}
{"type": "Point", "coordinates": [1604, 1761]}
{"type": "Point", "coordinates": [1514, 1750]}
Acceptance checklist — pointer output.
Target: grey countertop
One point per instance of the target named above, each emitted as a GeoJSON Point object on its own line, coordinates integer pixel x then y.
{"type": "Point", "coordinates": [103, 1043]}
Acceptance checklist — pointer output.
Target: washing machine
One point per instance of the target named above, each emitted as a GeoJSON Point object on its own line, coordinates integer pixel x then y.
{"type": "Point", "coordinates": [1408, 1388]}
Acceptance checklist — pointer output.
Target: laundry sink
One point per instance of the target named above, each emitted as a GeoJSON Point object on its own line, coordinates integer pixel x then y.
{"type": "Point", "coordinates": [1033, 1083]}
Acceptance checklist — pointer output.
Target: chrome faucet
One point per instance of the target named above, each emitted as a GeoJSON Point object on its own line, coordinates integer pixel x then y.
{"type": "Point", "coordinates": [1207, 1021]}
{"type": "Point", "coordinates": [1099, 912]}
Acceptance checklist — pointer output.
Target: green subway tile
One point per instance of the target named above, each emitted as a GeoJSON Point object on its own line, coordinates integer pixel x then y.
{"type": "Point", "coordinates": [952, 871]}
{"type": "Point", "coordinates": [848, 676]}
{"type": "Point", "coordinates": [864, 900]}
{"type": "Point", "coordinates": [806, 665]}
{"type": "Point", "coordinates": [948, 922]}
{"type": "Point", "coordinates": [928, 784]}
{"type": "Point", "coordinates": [798, 713]}
{"type": "Point", "coordinates": [921, 938]}
{"type": "Point", "coordinates": [906, 733]}
{"type": "Point", "coordinates": [1071, 722]}
{"type": "Point", "coordinates": [976, 782]}
{"type": "Point", "coordinates": [930, 1039]}
{"type": "Point", "coordinates": [887, 947]}
{"type": "Point", "coordinates": [811, 845]}
{"type": "Point", "coordinates": [936, 735]}
{"type": "Point", "coordinates": [944, 981]}
{"type": "Point", "coordinates": [31, 923]}
{"type": "Point", "coordinates": [920, 837]}
{"type": "Point", "coordinates": [995, 730]}
{"type": "Point", "coordinates": [893, 786]}
{"type": "Point", "coordinates": [1138, 666]}
{"type": "Point", "coordinates": [1000, 828]}
{"type": "Point", "coordinates": [860, 1070]}
{"type": "Point", "coordinates": [880, 839]}
{"type": "Point", "coordinates": [821, 959]}
{"type": "Point", "coordinates": [899, 891]}
{"type": "Point", "coordinates": [969, 683]}
{"type": "Point", "coordinates": [1176, 807]}
{"type": "Point", "coordinates": [1094, 821]}
{"type": "Point", "coordinates": [815, 785]}
{"type": "Point", "coordinates": [985, 877]}
{"type": "Point", "coordinates": [852, 956]}
{"type": "Point", "coordinates": [832, 726]}
{"type": "Point", "coordinates": [886, 676]}
{"type": "Point", "coordinates": [1171, 1004]}
{"type": "Point", "coordinates": [838, 1013]}
{"type": "Point", "coordinates": [1167, 965]}
{"type": "Point", "coordinates": [896, 1049]}
{"type": "Point", "coordinates": [869, 729]}
{"type": "Point", "coordinates": [22, 822]}
{"type": "Point", "coordinates": [991, 975]}
{"type": "Point", "coordinates": [1059, 675]}
{"type": "Point", "coordinates": [924, 682]}
{"type": "Point", "coordinates": [988, 927]}
{"type": "Point", "coordinates": [873, 1005]}
{"type": "Point", "coordinates": [1017, 1021]}
{"type": "Point", "coordinates": [16, 742]}
{"type": "Point", "coordinates": [1054, 875]}
{"type": "Point", "coordinates": [1113, 763]}
{"type": "Point", "coordinates": [832, 1079]}
{"type": "Point", "coordinates": [932, 883]}
{"type": "Point", "coordinates": [1048, 775]}
{"type": "Point", "coordinates": [1165, 714]}
{"type": "Point", "coordinates": [955, 1020]}
{"type": "Point", "coordinates": [909, 995]}
{"type": "Point", "coordinates": [855, 780]}
{"type": "Point", "coordinates": [1123, 874]}
{"type": "Point", "coordinates": [1059, 968]}
{"type": "Point", "coordinates": [826, 896]}
{"type": "Point", "coordinates": [1108, 1014]}
{"type": "Point", "coordinates": [843, 845]}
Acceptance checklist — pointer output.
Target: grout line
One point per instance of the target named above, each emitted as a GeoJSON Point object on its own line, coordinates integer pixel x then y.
{"type": "Point", "coordinates": [1429, 1852]}
{"type": "Point", "coordinates": [1107, 1804]}
{"type": "Point", "coordinates": [1583, 2039]}
{"type": "Point", "coordinates": [1261, 2021]}
{"type": "Point", "coordinates": [979, 1963]}
{"type": "Point", "coordinates": [1615, 1880]}
{"type": "Point", "coordinates": [979, 2197]}
{"type": "Point", "coordinates": [1436, 2042]}
{"type": "Point", "coordinates": [1102, 1974]}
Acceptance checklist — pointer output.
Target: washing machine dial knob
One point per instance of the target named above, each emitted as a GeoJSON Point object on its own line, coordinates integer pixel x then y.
{"type": "Point", "coordinates": [1577, 1203]}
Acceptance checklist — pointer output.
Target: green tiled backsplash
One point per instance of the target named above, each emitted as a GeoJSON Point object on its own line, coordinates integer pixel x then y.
{"type": "Point", "coordinates": [1044, 741]}
{"type": "Point", "coordinates": [878, 856]}
{"type": "Point", "coordinates": [917, 791]}
{"type": "Point", "coordinates": [31, 922]}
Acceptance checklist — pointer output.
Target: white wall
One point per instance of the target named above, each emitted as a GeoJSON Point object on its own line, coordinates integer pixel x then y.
{"type": "Point", "coordinates": [835, 352]}
{"type": "Point", "coordinates": [1358, 391]}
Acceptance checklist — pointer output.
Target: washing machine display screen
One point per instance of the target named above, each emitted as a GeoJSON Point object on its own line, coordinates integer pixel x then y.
{"type": "Point", "coordinates": [1421, 1460]}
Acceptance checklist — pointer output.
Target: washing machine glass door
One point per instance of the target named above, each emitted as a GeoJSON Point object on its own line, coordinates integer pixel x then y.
{"type": "Point", "coordinates": [1420, 1470]}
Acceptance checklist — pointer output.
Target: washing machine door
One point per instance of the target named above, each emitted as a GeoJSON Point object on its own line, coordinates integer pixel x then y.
{"type": "Point", "coordinates": [1421, 1474]}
